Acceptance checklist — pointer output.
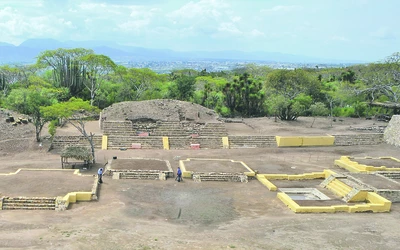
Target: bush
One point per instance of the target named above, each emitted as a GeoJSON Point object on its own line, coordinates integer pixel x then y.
{"type": "Point", "coordinates": [53, 127]}
{"type": "Point", "coordinates": [223, 111]}
{"type": "Point", "coordinates": [344, 112]}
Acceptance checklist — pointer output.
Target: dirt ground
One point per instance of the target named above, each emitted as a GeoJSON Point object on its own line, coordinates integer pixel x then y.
{"type": "Point", "coordinates": [207, 166]}
{"type": "Point", "coordinates": [389, 163]}
{"type": "Point", "coordinates": [139, 164]}
{"type": "Point", "coordinates": [148, 214]}
{"type": "Point", "coordinates": [44, 183]}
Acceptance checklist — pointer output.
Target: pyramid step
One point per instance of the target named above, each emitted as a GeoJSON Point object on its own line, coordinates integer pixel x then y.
{"type": "Point", "coordinates": [5, 207]}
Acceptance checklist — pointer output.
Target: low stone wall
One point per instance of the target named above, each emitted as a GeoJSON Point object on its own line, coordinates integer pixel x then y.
{"type": "Point", "coordinates": [27, 203]}
{"type": "Point", "coordinates": [358, 139]}
{"type": "Point", "coordinates": [60, 142]}
{"type": "Point", "coordinates": [199, 177]}
{"type": "Point", "coordinates": [209, 142]}
{"type": "Point", "coordinates": [392, 195]}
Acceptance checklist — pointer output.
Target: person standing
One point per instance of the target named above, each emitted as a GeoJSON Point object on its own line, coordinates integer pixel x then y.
{"type": "Point", "coordinates": [179, 175]}
{"type": "Point", "coordinates": [100, 175]}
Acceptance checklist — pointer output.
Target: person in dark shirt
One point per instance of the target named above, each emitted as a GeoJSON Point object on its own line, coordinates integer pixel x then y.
{"type": "Point", "coordinates": [179, 175]}
{"type": "Point", "coordinates": [100, 175]}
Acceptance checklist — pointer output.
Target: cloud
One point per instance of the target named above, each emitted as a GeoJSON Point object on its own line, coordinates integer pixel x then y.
{"type": "Point", "coordinates": [339, 38]}
{"type": "Point", "coordinates": [257, 33]}
{"type": "Point", "coordinates": [229, 28]}
{"type": "Point", "coordinates": [14, 24]}
{"type": "Point", "coordinates": [281, 8]}
{"type": "Point", "coordinates": [203, 9]}
{"type": "Point", "coordinates": [210, 18]}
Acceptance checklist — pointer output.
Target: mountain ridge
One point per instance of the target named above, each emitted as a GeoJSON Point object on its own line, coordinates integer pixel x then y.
{"type": "Point", "coordinates": [29, 49]}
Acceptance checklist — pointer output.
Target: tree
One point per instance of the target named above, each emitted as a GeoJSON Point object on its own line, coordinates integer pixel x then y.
{"type": "Point", "coordinates": [67, 67]}
{"type": "Point", "coordinates": [137, 83]}
{"type": "Point", "coordinates": [183, 88]}
{"type": "Point", "coordinates": [75, 112]}
{"type": "Point", "coordinates": [380, 79]}
{"type": "Point", "coordinates": [97, 67]}
{"type": "Point", "coordinates": [8, 77]}
{"type": "Point", "coordinates": [318, 109]}
{"type": "Point", "coordinates": [296, 87]}
{"type": "Point", "coordinates": [29, 101]}
{"type": "Point", "coordinates": [348, 76]}
{"type": "Point", "coordinates": [245, 95]}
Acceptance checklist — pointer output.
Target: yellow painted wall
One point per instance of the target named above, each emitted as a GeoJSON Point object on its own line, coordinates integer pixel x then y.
{"type": "Point", "coordinates": [165, 141]}
{"type": "Point", "coordinates": [266, 182]}
{"type": "Point", "coordinates": [360, 196]}
{"type": "Point", "coordinates": [225, 142]}
{"type": "Point", "coordinates": [354, 166]}
{"type": "Point", "coordinates": [104, 142]}
{"type": "Point", "coordinates": [305, 176]}
{"type": "Point", "coordinates": [298, 141]}
{"type": "Point", "coordinates": [338, 187]}
{"type": "Point", "coordinates": [376, 204]}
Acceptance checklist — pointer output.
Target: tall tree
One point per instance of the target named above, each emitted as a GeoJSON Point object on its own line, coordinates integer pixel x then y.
{"type": "Point", "coordinates": [183, 88]}
{"type": "Point", "coordinates": [75, 111]}
{"type": "Point", "coordinates": [97, 67]}
{"type": "Point", "coordinates": [29, 101]}
{"type": "Point", "coordinates": [68, 70]}
{"type": "Point", "coordinates": [296, 87]}
{"type": "Point", "coordinates": [8, 77]}
{"type": "Point", "coordinates": [245, 96]}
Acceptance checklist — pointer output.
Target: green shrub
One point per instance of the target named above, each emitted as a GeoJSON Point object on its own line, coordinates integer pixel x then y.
{"type": "Point", "coordinates": [53, 127]}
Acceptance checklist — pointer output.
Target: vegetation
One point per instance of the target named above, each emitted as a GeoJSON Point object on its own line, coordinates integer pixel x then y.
{"type": "Point", "coordinates": [44, 90]}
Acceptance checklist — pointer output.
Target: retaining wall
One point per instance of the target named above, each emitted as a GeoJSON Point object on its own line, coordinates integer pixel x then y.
{"type": "Point", "coordinates": [209, 142]}
{"type": "Point", "coordinates": [358, 139]}
{"type": "Point", "coordinates": [60, 142]}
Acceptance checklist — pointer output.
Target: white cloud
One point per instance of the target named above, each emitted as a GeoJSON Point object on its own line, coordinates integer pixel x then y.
{"type": "Point", "coordinates": [281, 8]}
{"type": "Point", "coordinates": [203, 8]}
{"type": "Point", "coordinates": [229, 28]}
{"type": "Point", "coordinates": [257, 33]}
{"type": "Point", "coordinates": [14, 24]}
{"type": "Point", "coordinates": [339, 38]}
{"type": "Point", "coordinates": [236, 19]}
{"type": "Point", "coordinates": [209, 18]}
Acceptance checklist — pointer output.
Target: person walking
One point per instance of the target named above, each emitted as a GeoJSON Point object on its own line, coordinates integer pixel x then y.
{"type": "Point", "coordinates": [179, 175]}
{"type": "Point", "coordinates": [100, 175]}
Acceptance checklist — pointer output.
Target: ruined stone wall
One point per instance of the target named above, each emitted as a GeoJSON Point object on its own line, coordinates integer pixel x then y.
{"type": "Point", "coordinates": [392, 131]}
{"type": "Point", "coordinates": [392, 195]}
{"type": "Point", "coordinates": [60, 142]}
{"type": "Point", "coordinates": [358, 139]}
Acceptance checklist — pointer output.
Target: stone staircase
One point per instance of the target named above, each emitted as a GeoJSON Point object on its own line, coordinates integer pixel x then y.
{"type": "Point", "coordinates": [171, 129]}
{"type": "Point", "coordinates": [390, 174]}
{"type": "Point", "coordinates": [122, 128]}
{"type": "Point", "coordinates": [339, 188]}
{"type": "Point", "coordinates": [213, 130]}
{"type": "Point", "coordinates": [252, 141]}
{"type": "Point", "coordinates": [28, 203]}
{"type": "Point", "coordinates": [351, 195]}
{"type": "Point", "coordinates": [227, 177]}
{"type": "Point", "coordinates": [345, 186]}
{"type": "Point", "coordinates": [148, 142]}
{"type": "Point", "coordinates": [205, 142]}
{"type": "Point", "coordinates": [60, 142]}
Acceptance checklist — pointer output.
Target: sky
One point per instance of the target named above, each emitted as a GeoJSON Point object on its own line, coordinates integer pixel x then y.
{"type": "Point", "coordinates": [331, 29]}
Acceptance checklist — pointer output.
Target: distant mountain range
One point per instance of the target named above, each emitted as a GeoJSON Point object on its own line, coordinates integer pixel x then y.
{"type": "Point", "coordinates": [27, 52]}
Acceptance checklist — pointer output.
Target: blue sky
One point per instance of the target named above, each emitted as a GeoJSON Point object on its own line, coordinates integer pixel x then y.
{"type": "Point", "coordinates": [334, 29]}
